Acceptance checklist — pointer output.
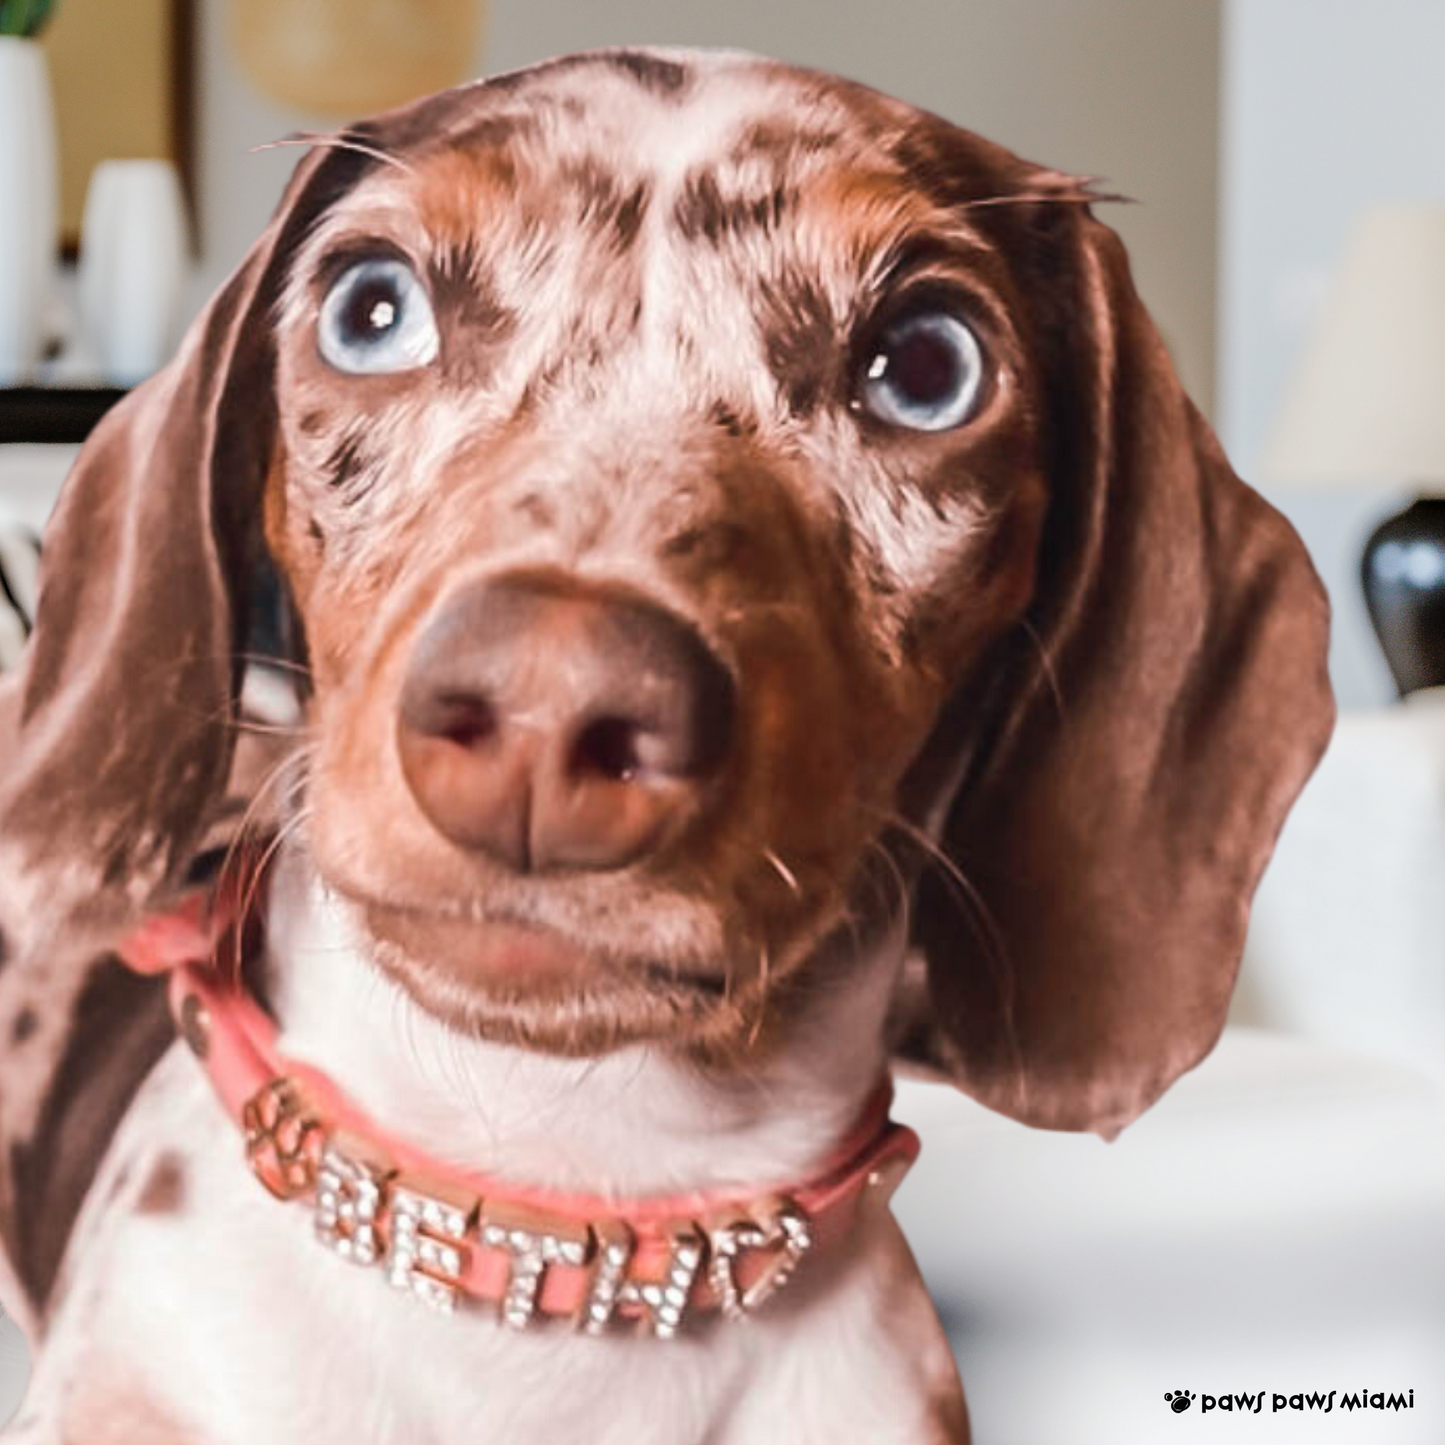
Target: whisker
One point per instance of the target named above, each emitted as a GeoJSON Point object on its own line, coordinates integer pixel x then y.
{"type": "Point", "coordinates": [265, 729]}
{"type": "Point", "coordinates": [165, 676]}
{"type": "Point", "coordinates": [935, 853]}
{"type": "Point", "coordinates": [281, 664]}
{"type": "Point", "coordinates": [283, 834]}
{"type": "Point", "coordinates": [764, 981]}
{"type": "Point", "coordinates": [852, 919]}
{"type": "Point", "coordinates": [879, 848]}
{"type": "Point", "coordinates": [784, 872]}
{"type": "Point", "coordinates": [279, 774]}
{"type": "Point", "coordinates": [254, 879]}
{"type": "Point", "coordinates": [1084, 196]}
{"type": "Point", "coordinates": [333, 141]}
{"type": "Point", "coordinates": [1046, 663]}
{"type": "Point", "coordinates": [984, 927]}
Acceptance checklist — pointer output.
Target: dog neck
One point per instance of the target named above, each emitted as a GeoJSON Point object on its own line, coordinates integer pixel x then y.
{"type": "Point", "coordinates": [636, 1121]}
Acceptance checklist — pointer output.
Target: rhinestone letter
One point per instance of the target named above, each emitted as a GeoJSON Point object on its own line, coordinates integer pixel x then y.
{"type": "Point", "coordinates": [663, 1305]}
{"type": "Point", "coordinates": [426, 1252]}
{"type": "Point", "coordinates": [614, 1254]}
{"type": "Point", "coordinates": [534, 1240]}
{"type": "Point", "coordinates": [349, 1189]}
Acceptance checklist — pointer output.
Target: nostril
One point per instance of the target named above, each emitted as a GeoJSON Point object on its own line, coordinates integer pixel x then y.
{"type": "Point", "coordinates": [607, 747]}
{"type": "Point", "coordinates": [469, 721]}
{"type": "Point", "coordinates": [465, 718]}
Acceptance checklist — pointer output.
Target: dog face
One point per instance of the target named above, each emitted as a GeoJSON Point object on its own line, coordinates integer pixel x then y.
{"type": "Point", "coordinates": [692, 383]}
{"type": "Point", "coordinates": [698, 478]}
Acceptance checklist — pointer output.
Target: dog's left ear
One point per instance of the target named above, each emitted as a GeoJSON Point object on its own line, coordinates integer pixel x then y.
{"type": "Point", "coordinates": [1146, 728]}
{"type": "Point", "coordinates": [116, 731]}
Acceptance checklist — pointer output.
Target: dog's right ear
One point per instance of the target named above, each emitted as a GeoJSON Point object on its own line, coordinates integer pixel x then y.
{"type": "Point", "coordinates": [116, 730]}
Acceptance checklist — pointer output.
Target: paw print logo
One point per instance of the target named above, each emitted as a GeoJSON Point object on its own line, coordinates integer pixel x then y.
{"type": "Point", "coordinates": [1179, 1400]}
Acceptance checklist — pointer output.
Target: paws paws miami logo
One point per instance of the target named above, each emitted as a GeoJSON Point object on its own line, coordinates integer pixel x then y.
{"type": "Point", "coordinates": [1251, 1403]}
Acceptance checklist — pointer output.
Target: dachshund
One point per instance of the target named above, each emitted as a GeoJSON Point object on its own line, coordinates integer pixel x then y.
{"type": "Point", "coordinates": [760, 605]}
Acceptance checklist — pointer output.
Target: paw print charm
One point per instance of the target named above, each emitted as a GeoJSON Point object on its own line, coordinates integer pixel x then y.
{"type": "Point", "coordinates": [1179, 1400]}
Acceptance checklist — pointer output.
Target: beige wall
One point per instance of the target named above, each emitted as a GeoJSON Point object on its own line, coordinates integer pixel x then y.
{"type": "Point", "coordinates": [1125, 89]}
{"type": "Point", "coordinates": [110, 69]}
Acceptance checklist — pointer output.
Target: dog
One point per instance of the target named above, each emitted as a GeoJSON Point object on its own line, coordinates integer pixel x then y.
{"type": "Point", "coordinates": [761, 605]}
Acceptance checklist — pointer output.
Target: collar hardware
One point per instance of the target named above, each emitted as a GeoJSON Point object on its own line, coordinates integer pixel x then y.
{"type": "Point", "coordinates": [423, 1233]}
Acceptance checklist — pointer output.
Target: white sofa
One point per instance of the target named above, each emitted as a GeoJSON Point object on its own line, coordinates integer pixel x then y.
{"type": "Point", "coordinates": [1348, 939]}
{"type": "Point", "coordinates": [14, 1367]}
{"type": "Point", "coordinates": [1277, 1222]}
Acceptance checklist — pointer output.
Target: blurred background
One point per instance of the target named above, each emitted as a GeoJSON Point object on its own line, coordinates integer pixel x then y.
{"type": "Point", "coordinates": [1249, 134]}
{"type": "Point", "coordinates": [1278, 1224]}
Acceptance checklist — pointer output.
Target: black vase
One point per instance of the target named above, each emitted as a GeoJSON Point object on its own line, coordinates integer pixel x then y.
{"type": "Point", "coordinates": [1404, 576]}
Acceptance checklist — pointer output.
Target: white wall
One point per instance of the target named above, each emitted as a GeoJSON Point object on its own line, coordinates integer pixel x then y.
{"type": "Point", "coordinates": [236, 186]}
{"type": "Point", "coordinates": [1124, 89]}
{"type": "Point", "coordinates": [1328, 105]}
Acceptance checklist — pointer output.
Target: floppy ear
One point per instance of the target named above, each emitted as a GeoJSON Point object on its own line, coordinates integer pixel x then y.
{"type": "Point", "coordinates": [1150, 723]}
{"type": "Point", "coordinates": [115, 732]}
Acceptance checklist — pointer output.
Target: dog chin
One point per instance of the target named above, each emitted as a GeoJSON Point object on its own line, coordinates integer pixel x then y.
{"type": "Point", "coordinates": [522, 984]}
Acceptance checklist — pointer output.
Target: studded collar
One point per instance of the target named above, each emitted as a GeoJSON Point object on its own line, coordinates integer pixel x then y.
{"type": "Point", "coordinates": [449, 1236]}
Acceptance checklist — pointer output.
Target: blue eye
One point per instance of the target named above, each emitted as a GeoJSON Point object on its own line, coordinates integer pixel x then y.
{"type": "Point", "coordinates": [925, 373]}
{"type": "Point", "coordinates": [376, 318]}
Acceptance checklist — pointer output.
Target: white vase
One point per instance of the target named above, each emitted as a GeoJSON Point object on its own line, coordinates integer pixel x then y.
{"type": "Point", "coordinates": [133, 264]}
{"type": "Point", "coordinates": [29, 205]}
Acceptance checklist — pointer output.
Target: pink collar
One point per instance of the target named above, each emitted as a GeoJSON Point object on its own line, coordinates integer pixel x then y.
{"type": "Point", "coordinates": [442, 1233]}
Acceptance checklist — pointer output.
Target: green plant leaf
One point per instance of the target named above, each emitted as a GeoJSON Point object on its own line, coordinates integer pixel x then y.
{"type": "Point", "coordinates": [25, 17]}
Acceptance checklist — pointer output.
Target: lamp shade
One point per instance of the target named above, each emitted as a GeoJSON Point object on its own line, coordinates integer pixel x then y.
{"type": "Point", "coordinates": [351, 57]}
{"type": "Point", "coordinates": [1368, 398]}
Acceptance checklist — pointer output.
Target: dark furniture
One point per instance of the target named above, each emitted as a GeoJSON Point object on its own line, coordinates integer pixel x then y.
{"type": "Point", "coordinates": [53, 413]}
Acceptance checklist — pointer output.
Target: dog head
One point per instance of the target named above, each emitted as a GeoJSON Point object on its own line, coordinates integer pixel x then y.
{"type": "Point", "coordinates": [711, 493]}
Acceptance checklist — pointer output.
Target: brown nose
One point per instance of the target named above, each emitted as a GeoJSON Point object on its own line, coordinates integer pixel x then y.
{"type": "Point", "coordinates": [550, 725]}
